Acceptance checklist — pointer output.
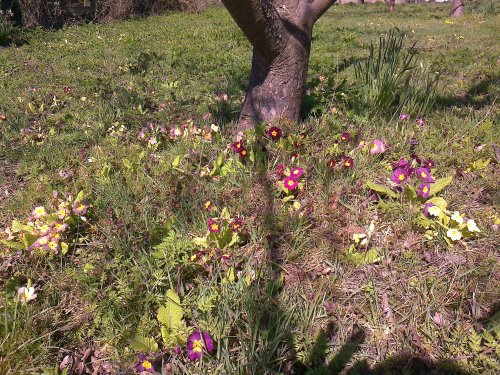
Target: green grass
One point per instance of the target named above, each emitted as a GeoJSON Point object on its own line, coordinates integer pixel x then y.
{"type": "Point", "coordinates": [308, 300]}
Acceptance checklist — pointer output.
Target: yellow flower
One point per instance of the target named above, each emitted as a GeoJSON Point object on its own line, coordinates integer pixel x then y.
{"type": "Point", "coordinates": [454, 234]}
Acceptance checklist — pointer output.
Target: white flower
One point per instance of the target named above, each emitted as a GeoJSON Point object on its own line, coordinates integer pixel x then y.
{"type": "Point", "coordinates": [434, 210]}
{"type": "Point", "coordinates": [472, 227]}
{"type": "Point", "coordinates": [26, 294]}
{"type": "Point", "coordinates": [456, 217]}
{"type": "Point", "coordinates": [454, 234]}
{"type": "Point", "coordinates": [358, 236]}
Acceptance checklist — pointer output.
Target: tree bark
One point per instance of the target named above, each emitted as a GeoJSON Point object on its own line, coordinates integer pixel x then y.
{"type": "Point", "coordinates": [457, 8]}
{"type": "Point", "coordinates": [280, 32]}
{"type": "Point", "coordinates": [390, 5]}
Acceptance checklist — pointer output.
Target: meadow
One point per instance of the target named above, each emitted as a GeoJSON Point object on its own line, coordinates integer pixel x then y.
{"type": "Point", "coordinates": [362, 240]}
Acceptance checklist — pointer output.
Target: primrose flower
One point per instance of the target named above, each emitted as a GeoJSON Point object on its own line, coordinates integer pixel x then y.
{"type": "Point", "coordinates": [378, 147]}
{"type": "Point", "coordinates": [197, 344]}
{"type": "Point", "coordinates": [144, 365]}
{"type": "Point", "coordinates": [44, 229]}
{"type": "Point", "coordinates": [41, 242]}
{"type": "Point", "coordinates": [434, 210]}
{"type": "Point", "coordinates": [26, 294]}
{"type": "Point", "coordinates": [345, 136]}
{"type": "Point", "coordinates": [290, 183]}
{"type": "Point", "coordinates": [404, 116]}
{"type": "Point", "coordinates": [3, 117]}
{"type": "Point", "coordinates": [402, 163]}
{"type": "Point", "coordinates": [347, 162]}
{"type": "Point", "coordinates": [359, 237]}
{"type": "Point", "coordinates": [472, 227]}
{"type": "Point", "coordinates": [238, 146]}
{"type": "Point", "coordinates": [454, 234]}
{"type": "Point", "coordinates": [296, 173]}
{"type": "Point", "coordinates": [421, 122]}
{"type": "Point", "coordinates": [59, 226]}
{"type": "Point", "coordinates": [63, 210]}
{"type": "Point", "coordinates": [428, 164]}
{"type": "Point", "coordinates": [279, 170]}
{"type": "Point", "coordinates": [424, 190]}
{"type": "Point", "coordinates": [235, 224]}
{"type": "Point", "coordinates": [332, 163]}
{"type": "Point", "coordinates": [39, 212]}
{"type": "Point", "coordinates": [53, 245]}
{"type": "Point", "coordinates": [362, 144]}
{"type": "Point", "coordinates": [274, 133]}
{"type": "Point", "coordinates": [207, 135]}
{"type": "Point", "coordinates": [243, 153]}
{"type": "Point", "coordinates": [213, 226]}
{"type": "Point", "coordinates": [399, 176]}
{"type": "Point", "coordinates": [142, 134]}
{"type": "Point", "coordinates": [424, 175]}
{"type": "Point", "coordinates": [457, 218]}
{"type": "Point", "coordinates": [80, 208]}
{"type": "Point", "coordinates": [426, 209]}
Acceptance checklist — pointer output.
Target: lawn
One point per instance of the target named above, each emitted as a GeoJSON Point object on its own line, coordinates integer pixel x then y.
{"type": "Point", "coordinates": [116, 149]}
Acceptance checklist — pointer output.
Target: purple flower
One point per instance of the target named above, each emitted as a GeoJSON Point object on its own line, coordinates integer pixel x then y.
{"type": "Point", "coordinates": [424, 190]}
{"type": "Point", "coordinates": [428, 164]}
{"type": "Point", "coordinates": [424, 175]}
{"type": "Point", "coordinates": [402, 163]}
{"type": "Point", "coordinates": [426, 209]}
{"type": "Point", "coordinates": [144, 365]}
{"type": "Point", "coordinates": [236, 224]}
{"type": "Point", "coordinates": [197, 344]}
{"type": "Point", "coordinates": [296, 173]}
{"type": "Point", "coordinates": [80, 208]}
{"type": "Point", "coordinates": [399, 176]}
{"type": "Point", "coordinates": [213, 225]}
{"type": "Point", "coordinates": [404, 116]}
{"type": "Point", "coordinates": [345, 136]}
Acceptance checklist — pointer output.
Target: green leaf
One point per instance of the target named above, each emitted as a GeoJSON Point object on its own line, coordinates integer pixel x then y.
{"type": "Point", "coordinates": [13, 244]}
{"type": "Point", "coordinates": [17, 226]}
{"type": "Point", "coordinates": [381, 189]}
{"type": "Point", "coordinates": [143, 344]}
{"type": "Point", "coordinates": [438, 201]}
{"type": "Point", "coordinates": [64, 248]}
{"type": "Point", "coordinates": [80, 196]}
{"type": "Point", "coordinates": [440, 184]}
{"type": "Point", "coordinates": [176, 161]}
{"type": "Point", "coordinates": [200, 241]}
{"type": "Point", "coordinates": [410, 193]}
{"type": "Point", "coordinates": [170, 315]}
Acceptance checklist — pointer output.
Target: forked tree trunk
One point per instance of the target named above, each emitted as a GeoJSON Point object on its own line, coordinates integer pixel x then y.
{"type": "Point", "coordinates": [457, 8]}
{"type": "Point", "coordinates": [280, 32]}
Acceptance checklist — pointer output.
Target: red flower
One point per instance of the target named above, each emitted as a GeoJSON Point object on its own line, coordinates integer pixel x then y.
{"type": "Point", "coordinates": [274, 133]}
{"type": "Point", "coordinates": [235, 224]}
{"type": "Point", "coordinates": [238, 146]}
{"type": "Point", "coordinates": [213, 226]}
{"type": "Point", "coordinates": [347, 162]}
{"type": "Point", "coordinates": [244, 153]}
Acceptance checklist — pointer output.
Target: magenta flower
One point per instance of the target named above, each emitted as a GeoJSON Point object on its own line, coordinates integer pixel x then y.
{"type": "Point", "coordinates": [238, 146]}
{"type": "Point", "coordinates": [402, 163]}
{"type": "Point", "coordinates": [345, 136]}
{"type": "Point", "coordinates": [198, 343]}
{"type": "Point", "coordinates": [296, 173]}
{"type": "Point", "coordinates": [421, 121]}
{"type": "Point", "coordinates": [274, 133]}
{"type": "Point", "coordinates": [213, 225]}
{"type": "Point", "coordinates": [424, 175]}
{"type": "Point", "coordinates": [290, 183]}
{"type": "Point", "coordinates": [80, 208]}
{"type": "Point", "coordinates": [428, 164]}
{"type": "Point", "coordinates": [399, 176]}
{"type": "Point", "coordinates": [424, 190]}
{"type": "Point", "coordinates": [378, 147]}
{"type": "Point", "coordinates": [279, 170]}
{"type": "Point", "coordinates": [404, 116]}
{"type": "Point", "coordinates": [142, 134]}
{"type": "Point", "coordinates": [144, 365]}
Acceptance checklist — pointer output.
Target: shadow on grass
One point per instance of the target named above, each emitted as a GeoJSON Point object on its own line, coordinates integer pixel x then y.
{"type": "Point", "coordinates": [478, 96]}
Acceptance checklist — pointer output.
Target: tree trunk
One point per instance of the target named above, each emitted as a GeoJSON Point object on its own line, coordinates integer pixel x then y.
{"type": "Point", "coordinates": [280, 32]}
{"type": "Point", "coordinates": [457, 8]}
{"type": "Point", "coordinates": [390, 5]}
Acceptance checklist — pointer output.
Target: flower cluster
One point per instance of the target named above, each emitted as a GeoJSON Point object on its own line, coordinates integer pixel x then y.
{"type": "Point", "coordinates": [420, 121]}
{"type": "Point", "coordinates": [47, 231]}
{"type": "Point", "coordinates": [153, 134]}
{"type": "Point", "coordinates": [292, 177]}
{"type": "Point", "coordinates": [403, 170]}
{"type": "Point", "coordinates": [240, 149]}
{"type": "Point", "coordinates": [455, 224]}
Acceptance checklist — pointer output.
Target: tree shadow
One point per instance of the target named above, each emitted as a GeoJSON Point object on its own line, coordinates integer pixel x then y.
{"type": "Point", "coordinates": [478, 96]}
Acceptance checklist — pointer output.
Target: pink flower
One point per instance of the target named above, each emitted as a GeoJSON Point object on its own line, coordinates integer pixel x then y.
{"type": "Point", "coordinates": [404, 116]}
{"type": "Point", "coordinates": [296, 173]}
{"type": "Point", "coordinates": [424, 175]}
{"type": "Point", "coordinates": [378, 147]}
{"type": "Point", "coordinates": [424, 190]}
{"type": "Point", "coordinates": [290, 183]}
{"type": "Point", "coordinates": [399, 176]}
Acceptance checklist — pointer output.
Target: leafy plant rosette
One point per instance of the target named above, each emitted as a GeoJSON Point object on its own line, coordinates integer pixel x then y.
{"type": "Point", "coordinates": [413, 181]}
{"type": "Point", "coordinates": [48, 231]}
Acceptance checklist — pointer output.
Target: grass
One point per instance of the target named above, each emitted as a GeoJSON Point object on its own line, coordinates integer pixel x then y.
{"type": "Point", "coordinates": [308, 299]}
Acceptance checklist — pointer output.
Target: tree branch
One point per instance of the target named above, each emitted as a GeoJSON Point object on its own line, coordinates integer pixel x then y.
{"type": "Point", "coordinates": [261, 24]}
{"type": "Point", "coordinates": [318, 7]}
